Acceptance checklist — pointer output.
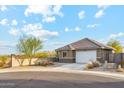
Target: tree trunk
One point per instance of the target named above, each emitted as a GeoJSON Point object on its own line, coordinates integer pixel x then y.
{"type": "Point", "coordinates": [21, 63]}
{"type": "Point", "coordinates": [30, 59]}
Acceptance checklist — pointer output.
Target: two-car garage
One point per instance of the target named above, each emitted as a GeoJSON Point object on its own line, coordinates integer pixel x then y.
{"type": "Point", "coordinates": [85, 56]}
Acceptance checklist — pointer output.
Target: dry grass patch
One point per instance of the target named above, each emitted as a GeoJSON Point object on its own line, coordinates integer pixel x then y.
{"type": "Point", "coordinates": [120, 70]}
{"type": "Point", "coordinates": [44, 63]}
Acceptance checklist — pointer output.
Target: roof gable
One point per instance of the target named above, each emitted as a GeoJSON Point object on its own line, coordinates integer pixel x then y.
{"type": "Point", "coordinates": [85, 43]}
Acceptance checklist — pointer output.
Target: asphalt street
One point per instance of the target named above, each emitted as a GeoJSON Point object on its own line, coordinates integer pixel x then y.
{"type": "Point", "coordinates": [56, 80]}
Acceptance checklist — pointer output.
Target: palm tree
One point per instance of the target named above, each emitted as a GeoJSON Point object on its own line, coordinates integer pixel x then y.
{"type": "Point", "coordinates": [28, 46]}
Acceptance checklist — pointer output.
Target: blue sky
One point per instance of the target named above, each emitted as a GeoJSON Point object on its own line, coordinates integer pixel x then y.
{"type": "Point", "coordinates": [59, 25]}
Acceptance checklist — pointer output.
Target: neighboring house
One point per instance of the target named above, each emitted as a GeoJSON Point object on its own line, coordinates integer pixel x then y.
{"type": "Point", "coordinates": [83, 51]}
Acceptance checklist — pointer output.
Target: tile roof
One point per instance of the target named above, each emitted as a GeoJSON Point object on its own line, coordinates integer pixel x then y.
{"type": "Point", "coordinates": [85, 43]}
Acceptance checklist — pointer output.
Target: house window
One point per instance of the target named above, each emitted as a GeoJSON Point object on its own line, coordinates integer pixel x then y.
{"type": "Point", "coordinates": [64, 54]}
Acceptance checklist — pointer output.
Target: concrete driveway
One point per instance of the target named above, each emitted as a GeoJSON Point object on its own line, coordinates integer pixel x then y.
{"type": "Point", "coordinates": [70, 66]}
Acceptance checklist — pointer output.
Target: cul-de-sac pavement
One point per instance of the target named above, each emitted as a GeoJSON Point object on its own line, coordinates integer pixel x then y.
{"type": "Point", "coordinates": [33, 77]}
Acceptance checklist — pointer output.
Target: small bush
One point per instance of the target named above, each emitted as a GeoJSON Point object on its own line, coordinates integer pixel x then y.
{"type": "Point", "coordinates": [120, 70]}
{"type": "Point", "coordinates": [51, 63]}
{"type": "Point", "coordinates": [41, 55]}
{"type": "Point", "coordinates": [95, 64]}
{"type": "Point", "coordinates": [44, 63]}
{"type": "Point", "coordinates": [3, 58]}
{"type": "Point", "coordinates": [2, 64]}
{"type": "Point", "coordinates": [6, 66]}
{"type": "Point", "coordinates": [89, 66]}
{"type": "Point", "coordinates": [92, 65]}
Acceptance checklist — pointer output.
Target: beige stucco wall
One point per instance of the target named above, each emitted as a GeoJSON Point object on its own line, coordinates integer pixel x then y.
{"type": "Point", "coordinates": [70, 54]}
{"type": "Point", "coordinates": [103, 54]}
{"type": "Point", "coordinates": [15, 62]}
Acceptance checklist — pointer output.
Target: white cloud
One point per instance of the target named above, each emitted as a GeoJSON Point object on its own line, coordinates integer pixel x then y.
{"type": "Point", "coordinates": [92, 25]}
{"type": "Point", "coordinates": [101, 12]}
{"type": "Point", "coordinates": [44, 10]}
{"type": "Point", "coordinates": [34, 30]}
{"type": "Point", "coordinates": [43, 33]}
{"type": "Point", "coordinates": [14, 22]}
{"type": "Point", "coordinates": [3, 8]}
{"type": "Point", "coordinates": [57, 10]}
{"type": "Point", "coordinates": [49, 19]}
{"type": "Point", "coordinates": [47, 12]}
{"type": "Point", "coordinates": [121, 34]}
{"type": "Point", "coordinates": [67, 29]}
{"type": "Point", "coordinates": [31, 27]}
{"type": "Point", "coordinates": [104, 41]}
{"type": "Point", "coordinates": [4, 22]}
{"type": "Point", "coordinates": [112, 36]}
{"type": "Point", "coordinates": [77, 29]}
{"type": "Point", "coordinates": [81, 14]}
{"type": "Point", "coordinates": [38, 31]}
{"type": "Point", "coordinates": [14, 32]}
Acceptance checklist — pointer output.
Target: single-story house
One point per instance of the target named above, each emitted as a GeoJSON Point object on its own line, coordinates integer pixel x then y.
{"type": "Point", "coordinates": [83, 51]}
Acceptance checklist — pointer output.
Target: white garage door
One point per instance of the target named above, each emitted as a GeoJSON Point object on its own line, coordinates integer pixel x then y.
{"type": "Point", "coordinates": [85, 56]}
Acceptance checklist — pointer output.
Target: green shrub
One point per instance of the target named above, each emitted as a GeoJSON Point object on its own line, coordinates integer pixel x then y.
{"type": "Point", "coordinates": [41, 55]}
{"type": "Point", "coordinates": [45, 54]}
{"type": "Point", "coordinates": [3, 60]}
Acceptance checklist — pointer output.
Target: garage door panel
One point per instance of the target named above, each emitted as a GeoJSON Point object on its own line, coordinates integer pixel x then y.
{"type": "Point", "coordinates": [85, 56]}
